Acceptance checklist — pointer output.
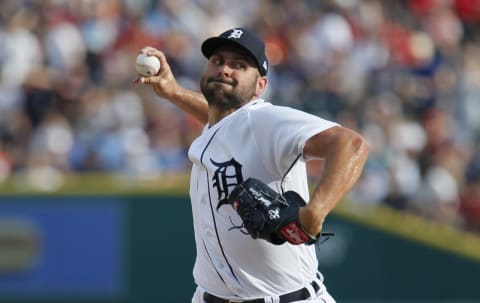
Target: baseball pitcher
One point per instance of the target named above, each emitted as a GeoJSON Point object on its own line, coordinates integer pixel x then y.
{"type": "Point", "coordinates": [255, 222]}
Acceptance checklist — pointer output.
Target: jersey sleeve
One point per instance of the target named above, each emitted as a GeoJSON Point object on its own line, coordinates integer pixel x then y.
{"type": "Point", "coordinates": [281, 133]}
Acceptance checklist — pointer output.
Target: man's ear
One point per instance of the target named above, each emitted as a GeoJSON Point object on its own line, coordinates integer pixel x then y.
{"type": "Point", "coordinates": [261, 85]}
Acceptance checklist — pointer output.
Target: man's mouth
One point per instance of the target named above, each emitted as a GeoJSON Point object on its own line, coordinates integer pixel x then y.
{"type": "Point", "coordinates": [221, 81]}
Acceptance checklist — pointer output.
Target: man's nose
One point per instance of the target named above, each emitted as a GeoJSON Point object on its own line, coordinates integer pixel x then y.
{"type": "Point", "coordinates": [224, 70]}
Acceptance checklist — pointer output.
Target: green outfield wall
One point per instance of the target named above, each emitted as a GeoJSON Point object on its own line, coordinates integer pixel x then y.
{"type": "Point", "coordinates": [140, 249]}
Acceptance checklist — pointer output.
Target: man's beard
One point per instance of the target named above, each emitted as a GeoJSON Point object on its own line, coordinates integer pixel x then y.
{"type": "Point", "coordinates": [219, 97]}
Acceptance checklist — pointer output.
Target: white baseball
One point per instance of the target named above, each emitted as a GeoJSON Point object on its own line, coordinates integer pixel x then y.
{"type": "Point", "coordinates": [147, 66]}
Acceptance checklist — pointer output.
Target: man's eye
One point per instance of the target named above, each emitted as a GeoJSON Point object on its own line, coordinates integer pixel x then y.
{"type": "Point", "coordinates": [217, 62]}
{"type": "Point", "coordinates": [239, 65]}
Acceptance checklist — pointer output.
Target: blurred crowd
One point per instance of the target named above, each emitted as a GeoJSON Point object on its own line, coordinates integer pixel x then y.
{"type": "Point", "coordinates": [406, 74]}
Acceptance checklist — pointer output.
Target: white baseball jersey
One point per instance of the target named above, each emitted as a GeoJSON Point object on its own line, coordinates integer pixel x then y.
{"type": "Point", "coordinates": [266, 142]}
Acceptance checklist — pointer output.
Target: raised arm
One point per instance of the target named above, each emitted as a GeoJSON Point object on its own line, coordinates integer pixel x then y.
{"type": "Point", "coordinates": [344, 152]}
{"type": "Point", "coordinates": [166, 86]}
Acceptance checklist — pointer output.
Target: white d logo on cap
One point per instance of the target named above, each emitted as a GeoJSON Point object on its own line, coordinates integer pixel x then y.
{"type": "Point", "coordinates": [236, 33]}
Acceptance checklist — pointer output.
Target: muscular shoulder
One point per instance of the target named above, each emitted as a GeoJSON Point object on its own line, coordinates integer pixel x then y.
{"type": "Point", "coordinates": [264, 109]}
{"type": "Point", "coordinates": [266, 113]}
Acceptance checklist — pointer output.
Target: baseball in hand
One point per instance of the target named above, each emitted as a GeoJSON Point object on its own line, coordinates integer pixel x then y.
{"type": "Point", "coordinates": [147, 66]}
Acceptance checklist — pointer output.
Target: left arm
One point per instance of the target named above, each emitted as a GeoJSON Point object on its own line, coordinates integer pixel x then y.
{"type": "Point", "coordinates": [345, 153]}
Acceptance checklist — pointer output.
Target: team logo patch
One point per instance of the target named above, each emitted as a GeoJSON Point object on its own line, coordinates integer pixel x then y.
{"type": "Point", "coordinates": [274, 214]}
{"type": "Point", "coordinates": [293, 233]}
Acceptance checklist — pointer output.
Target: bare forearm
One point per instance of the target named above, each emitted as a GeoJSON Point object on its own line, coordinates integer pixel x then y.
{"type": "Point", "coordinates": [191, 102]}
{"type": "Point", "coordinates": [344, 162]}
{"type": "Point", "coordinates": [165, 85]}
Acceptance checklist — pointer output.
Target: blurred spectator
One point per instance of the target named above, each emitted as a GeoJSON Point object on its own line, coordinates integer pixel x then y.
{"type": "Point", "coordinates": [404, 73]}
{"type": "Point", "coordinates": [470, 197]}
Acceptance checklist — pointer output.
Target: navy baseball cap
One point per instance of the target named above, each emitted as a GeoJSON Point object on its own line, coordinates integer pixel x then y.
{"type": "Point", "coordinates": [243, 38]}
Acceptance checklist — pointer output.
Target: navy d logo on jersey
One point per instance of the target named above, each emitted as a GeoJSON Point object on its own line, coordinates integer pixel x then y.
{"type": "Point", "coordinates": [228, 174]}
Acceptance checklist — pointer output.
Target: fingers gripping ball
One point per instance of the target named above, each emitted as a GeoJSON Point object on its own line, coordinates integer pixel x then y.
{"type": "Point", "coordinates": [147, 66]}
{"type": "Point", "coordinates": [268, 215]}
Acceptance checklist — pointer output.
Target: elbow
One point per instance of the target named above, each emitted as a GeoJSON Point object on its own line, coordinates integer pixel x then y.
{"type": "Point", "coordinates": [357, 144]}
{"type": "Point", "coordinates": [356, 147]}
{"type": "Point", "coordinates": [361, 149]}
{"type": "Point", "coordinates": [361, 145]}
{"type": "Point", "coordinates": [334, 142]}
